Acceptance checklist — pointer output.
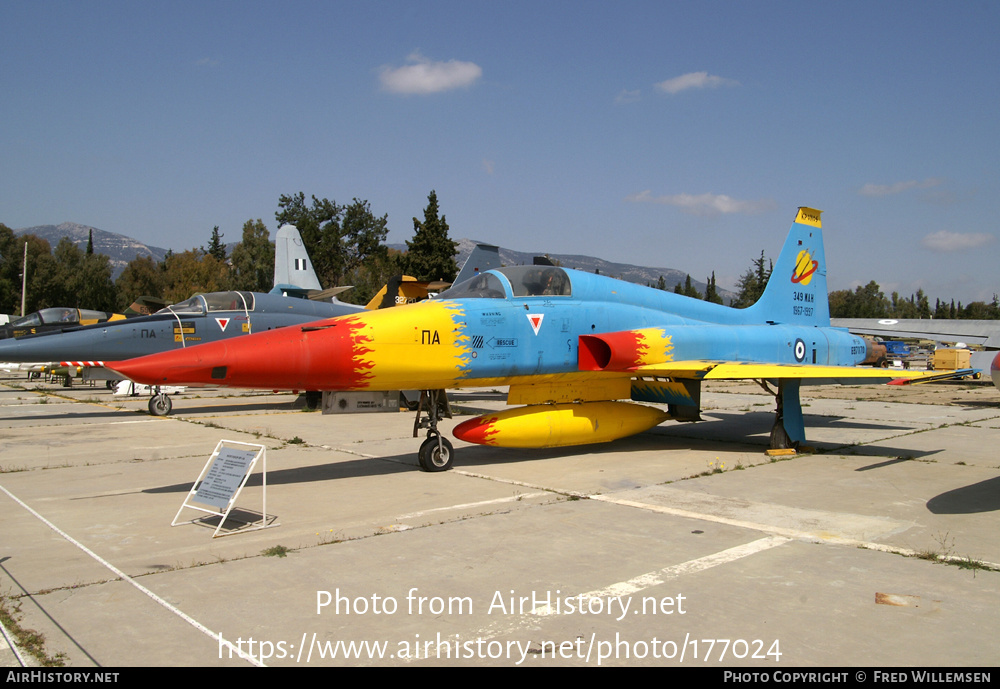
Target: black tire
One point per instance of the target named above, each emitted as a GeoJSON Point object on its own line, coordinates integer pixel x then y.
{"type": "Point", "coordinates": [435, 457]}
{"type": "Point", "coordinates": [160, 405]}
{"type": "Point", "coordinates": [780, 439]}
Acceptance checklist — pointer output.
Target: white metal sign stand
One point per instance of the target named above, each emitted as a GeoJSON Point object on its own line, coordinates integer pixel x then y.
{"type": "Point", "coordinates": [221, 480]}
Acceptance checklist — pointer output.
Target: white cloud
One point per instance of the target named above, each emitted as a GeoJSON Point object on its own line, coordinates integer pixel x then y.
{"type": "Point", "coordinates": [898, 187]}
{"type": "Point", "coordinates": [626, 96]}
{"type": "Point", "coordinates": [705, 204]}
{"type": "Point", "coordinates": [423, 76]}
{"type": "Point", "coordinates": [955, 241]}
{"type": "Point", "coordinates": [693, 80]}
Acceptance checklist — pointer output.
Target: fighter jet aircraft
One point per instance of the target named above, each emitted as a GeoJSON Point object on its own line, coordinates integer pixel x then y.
{"type": "Point", "coordinates": [570, 345]}
{"type": "Point", "coordinates": [202, 318]}
{"type": "Point", "coordinates": [54, 319]}
{"type": "Point", "coordinates": [983, 333]}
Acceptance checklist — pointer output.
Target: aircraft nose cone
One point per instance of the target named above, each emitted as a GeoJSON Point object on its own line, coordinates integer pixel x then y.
{"type": "Point", "coordinates": [166, 368]}
{"type": "Point", "coordinates": [316, 357]}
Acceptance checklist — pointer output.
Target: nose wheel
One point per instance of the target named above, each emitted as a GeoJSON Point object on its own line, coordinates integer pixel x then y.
{"type": "Point", "coordinates": [436, 452]}
{"type": "Point", "coordinates": [160, 404]}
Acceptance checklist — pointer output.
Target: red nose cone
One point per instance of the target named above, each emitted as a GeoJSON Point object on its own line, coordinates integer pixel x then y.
{"type": "Point", "coordinates": [166, 368]}
{"type": "Point", "coordinates": [321, 356]}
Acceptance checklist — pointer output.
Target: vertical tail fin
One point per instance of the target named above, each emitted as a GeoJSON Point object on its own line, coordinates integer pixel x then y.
{"type": "Point", "coordinates": [292, 270]}
{"type": "Point", "coordinates": [796, 292]}
{"type": "Point", "coordinates": [483, 258]}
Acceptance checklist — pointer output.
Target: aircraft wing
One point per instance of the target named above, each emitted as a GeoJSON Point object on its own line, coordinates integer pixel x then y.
{"type": "Point", "coordinates": [981, 332]}
{"type": "Point", "coordinates": [736, 370]}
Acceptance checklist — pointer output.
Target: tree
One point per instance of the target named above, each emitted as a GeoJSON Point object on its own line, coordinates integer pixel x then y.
{"type": "Point", "coordinates": [941, 309]}
{"type": "Point", "coordinates": [901, 308]}
{"type": "Point", "coordinates": [319, 227]}
{"type": "Point", "coordinates": [711, 291]}
{"type": "Point", "coordinates": [863, 302]}
{"type": "Point", "coordinates": [367, 263]}
{"type": "Point", "coordinates": [216, 249]}
{"type": "Point", "coordinates": [340, 239]}
{"type": "Point", "coordinates": [192, 271]}
{"type": "Point", "coordinates": [431, 254]}
{"type": "Point", "coordinates": [690, 290]}
{"type": "Point", "coordinates": [752, 283]}
{"type": "Point", "coordinates": [923, 305]}
{"type": "Point", "coordinates": [82, 280]}
{"type": "Point", "coordinates": [980, 310]}
{"type": "Point", "coordinates": [11, 253]}
{"type": "Point", "coordinates": [142, 277]}
{"type": "Point", "coordinates": [253, 259]}
{"type": "Point", "coordinates": [41, 272]}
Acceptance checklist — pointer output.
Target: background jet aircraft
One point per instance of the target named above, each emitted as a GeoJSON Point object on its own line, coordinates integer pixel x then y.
{"type": "Point", "coordinates": [569, 344]}
{"type": "Point", "coordinates": [202, 318]}
{"type": "Point", "coordinates": [54, 319]}
{"type": "Point", "coordinates": [979, 332]}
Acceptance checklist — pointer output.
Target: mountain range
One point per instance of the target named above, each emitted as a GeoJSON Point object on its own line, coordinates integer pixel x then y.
{"type": "Point", "coordinates": [120, 250]}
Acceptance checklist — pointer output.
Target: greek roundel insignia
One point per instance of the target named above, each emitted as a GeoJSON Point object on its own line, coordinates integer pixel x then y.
{"type": "Point", "coordinates": [800, 350]}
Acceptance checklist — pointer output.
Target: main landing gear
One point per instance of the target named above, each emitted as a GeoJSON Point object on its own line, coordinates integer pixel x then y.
{"type": "Point", "coordinates": [789, 426]}
{"type": "Point", "coordinates": [436, 452]}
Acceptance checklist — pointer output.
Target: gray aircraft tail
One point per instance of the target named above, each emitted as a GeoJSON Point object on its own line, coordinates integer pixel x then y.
{"type": "Point", "coordinates": [483, 257]}
{"type": "Point", "coordinates": [293, 272]}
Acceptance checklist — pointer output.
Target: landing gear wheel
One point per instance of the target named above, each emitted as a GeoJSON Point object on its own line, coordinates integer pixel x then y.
{"type": "Point", "coordinates": [314, 399]}
{"type": "Point", "coordinates": [780, 439]}
{"type": "Point", "coordinates": [160, 405]}
{"type": "Point", "coordinates": [436, 454]}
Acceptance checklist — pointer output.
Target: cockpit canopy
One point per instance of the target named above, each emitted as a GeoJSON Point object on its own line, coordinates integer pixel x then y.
{"type": "Point", "coordinates": [213, 301]}
{"type": "Point", "coordinates": [523, 281]}
{"type": "Point", "coordinates": [60, 315]}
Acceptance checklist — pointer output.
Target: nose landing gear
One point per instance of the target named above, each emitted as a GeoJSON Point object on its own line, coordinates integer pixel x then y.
{"type": "Point", "coordinates": [436, 452]}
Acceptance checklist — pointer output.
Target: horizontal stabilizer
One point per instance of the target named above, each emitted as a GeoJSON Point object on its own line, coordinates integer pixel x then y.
{"type": "Point", "coordinates": [935, 375]}
{"type": "Point", "coordinates": [734, 370]}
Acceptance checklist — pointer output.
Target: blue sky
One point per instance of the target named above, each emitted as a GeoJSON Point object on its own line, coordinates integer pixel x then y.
{"type": "Point", "coordinates": [678, 134]}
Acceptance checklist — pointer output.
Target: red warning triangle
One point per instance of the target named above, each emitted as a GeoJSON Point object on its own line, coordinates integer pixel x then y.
{"type": "Point", "coordinates": [536, 321]}
{"type": "Point", "coordinates": [223, 322]}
